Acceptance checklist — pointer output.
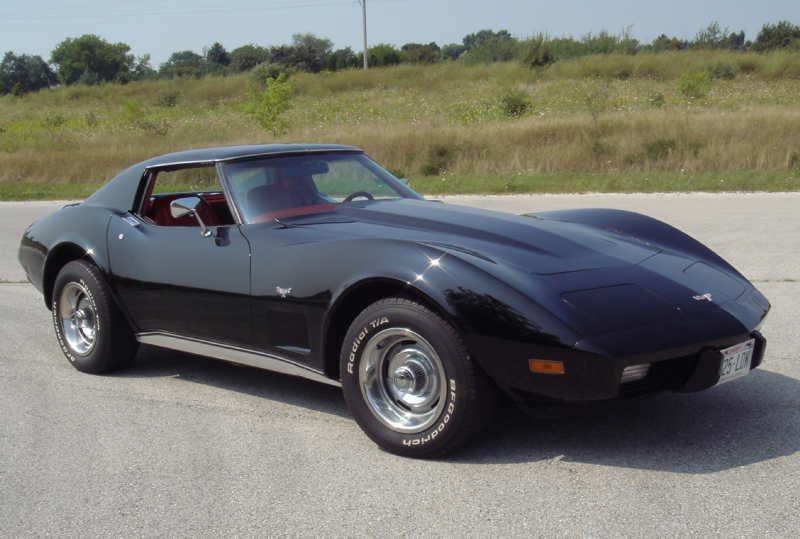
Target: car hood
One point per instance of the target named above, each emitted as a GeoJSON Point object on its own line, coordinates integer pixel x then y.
{"type": "Point", "coordinates": [576, 271]}
{"type": "Point", "coordinates": [538, 246]}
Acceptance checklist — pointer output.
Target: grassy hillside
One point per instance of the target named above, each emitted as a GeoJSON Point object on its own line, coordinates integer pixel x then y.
{"type": "Point", "coordinates": [677, 122]}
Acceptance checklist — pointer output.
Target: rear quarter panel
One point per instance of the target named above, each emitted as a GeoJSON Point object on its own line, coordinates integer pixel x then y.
{"type": "Point", "coordinates": [77, 230]}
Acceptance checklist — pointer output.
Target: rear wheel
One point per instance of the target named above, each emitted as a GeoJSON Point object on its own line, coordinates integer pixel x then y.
{"type": "Point", "coordinates": [91, 330]}
{"type": "Point", "coordinates": [409, 381]}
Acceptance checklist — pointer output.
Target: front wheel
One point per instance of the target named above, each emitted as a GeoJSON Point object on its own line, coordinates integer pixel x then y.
{"type": "Point", "coordinates": [409, 381]}
{"type": "Point", "coordinates": [91, 330]}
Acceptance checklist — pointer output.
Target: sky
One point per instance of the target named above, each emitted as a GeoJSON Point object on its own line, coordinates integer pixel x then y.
{"type": "Point", "coordinates": [161, 27]}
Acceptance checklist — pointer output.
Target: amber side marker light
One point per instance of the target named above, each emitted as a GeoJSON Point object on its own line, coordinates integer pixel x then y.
{"type": "Point", "coordinates": [547, 367]}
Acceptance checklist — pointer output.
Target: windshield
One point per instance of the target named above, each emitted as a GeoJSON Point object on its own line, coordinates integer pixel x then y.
{"type": "Point", "coordinates": [278, 187]}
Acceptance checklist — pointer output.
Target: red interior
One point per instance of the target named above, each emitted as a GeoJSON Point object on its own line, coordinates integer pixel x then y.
{"type": "Point", "coordinates": [213, 207]}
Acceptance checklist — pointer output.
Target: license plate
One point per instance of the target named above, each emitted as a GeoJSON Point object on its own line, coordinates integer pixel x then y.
{"type": "Point", "coordinates": [736, 361]}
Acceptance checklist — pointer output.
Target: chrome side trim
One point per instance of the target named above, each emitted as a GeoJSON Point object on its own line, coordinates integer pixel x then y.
{"type": "Point", "coordinates": [295, 349]}
{"type": "Point", "coordinates": [233, 354]}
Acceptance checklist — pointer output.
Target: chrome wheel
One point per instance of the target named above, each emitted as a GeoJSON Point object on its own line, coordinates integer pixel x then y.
{"type": "Point", "coordinates": [402, 380]}
{"type": "Point", "coordinates": [77, 317]}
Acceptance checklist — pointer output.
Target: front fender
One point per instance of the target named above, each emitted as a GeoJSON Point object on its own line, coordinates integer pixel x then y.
{"type": "Point", "coordinates": [501, 326]}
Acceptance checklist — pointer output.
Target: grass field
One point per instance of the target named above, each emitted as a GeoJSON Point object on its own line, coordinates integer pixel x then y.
{"type": "Point", "coordinates": [689, 121]}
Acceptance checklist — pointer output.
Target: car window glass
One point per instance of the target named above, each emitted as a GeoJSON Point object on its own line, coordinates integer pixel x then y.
{"type": "Point", "coordinates": [348, 176]}
{"type": "Point", "coordinates": [187, 180]}
{"type": "Point", "coordinates": [280, 187]}
{"type": "Point", "coordinates": [201, 182]}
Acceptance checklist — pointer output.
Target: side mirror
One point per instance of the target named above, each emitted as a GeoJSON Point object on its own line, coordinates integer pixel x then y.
{"type": "Point", "coordinates": [404, 181]}
{"type": "Point", "coordinates": [181, 207]}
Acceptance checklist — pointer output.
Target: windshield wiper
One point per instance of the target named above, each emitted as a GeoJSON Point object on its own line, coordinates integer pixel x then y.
{"type": "Point", "coordinates": [321, 221]}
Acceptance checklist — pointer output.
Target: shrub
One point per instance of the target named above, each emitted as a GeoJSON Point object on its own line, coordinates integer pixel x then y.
{"type": "Point", "coordinates": [792, 159]}
{"type": "Point", "coordinates": [695, 85]}
{"type": "Point", "coordinates": [55, 120]}
{"type": "Point", "coordinates": [723, 70]}
{"type": "Point", "coordinates": [133, 112]}
{"type": "Point", "coordinates": [264, 72]}
{"type": "Point", "coordinates": [167, 98]}
{"type": "Point", "coordinates": [656, 99]}
{"type": "Point", "coordinates": [438, 161]}
{"type": "Point", "coordinates": [635, 159]}
{"type": "Point", "coordinates": [534, 52]}
{"type": "Point", "coordinates": [601, 149]}
{"type": "Point", "coordinates": [90, 118]}
{"type": "Point", "coordinates": [299, 57]}
{"type": "Point", "coordinates": [420, 54]}
{"type": "Point", "coordinates": [266, 106]}
{"type": "Point", "coordinates": [515, 103]}
{"type": "Point", "coordinates": [136, 116]}
{"type": "Point", "coordinates": [660, 148]}
{"type": "Point", "coordinates": [695, 147]}
{"type": "Point", "coordinates": [383, 55]}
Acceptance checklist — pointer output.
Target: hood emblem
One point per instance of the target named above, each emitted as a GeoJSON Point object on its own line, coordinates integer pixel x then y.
{"type": "Point", "coordinates": [704, 297]}
{"type": "Point", "coordinates": [283, 291]}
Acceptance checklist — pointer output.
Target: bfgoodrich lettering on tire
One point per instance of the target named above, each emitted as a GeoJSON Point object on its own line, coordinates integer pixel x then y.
{"type": "Point", "coordinates": [91, 331]}
{"type": "Point", "coordinates": [409, 381]}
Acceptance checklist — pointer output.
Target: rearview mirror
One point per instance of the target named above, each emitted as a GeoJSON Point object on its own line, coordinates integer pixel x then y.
{"type": "Point", "coordinates": [309, 168]}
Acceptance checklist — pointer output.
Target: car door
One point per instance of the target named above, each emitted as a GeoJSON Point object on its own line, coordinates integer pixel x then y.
{"type": "Point", "coordinates": [173, 278]}
{"type": "Point", "coordinates": [291, 290]}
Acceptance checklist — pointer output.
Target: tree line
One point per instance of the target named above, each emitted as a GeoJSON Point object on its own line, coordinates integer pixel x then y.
{"type": "Point", "coordinates": [90, 59]}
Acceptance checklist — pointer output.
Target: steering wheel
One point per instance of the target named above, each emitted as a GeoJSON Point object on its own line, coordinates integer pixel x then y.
{"type": "Point", "coordinates": [357, 194]}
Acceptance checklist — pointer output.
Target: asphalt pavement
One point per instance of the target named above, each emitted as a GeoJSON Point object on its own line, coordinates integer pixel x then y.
{"type": "Point", "coordinates": [182, 446]}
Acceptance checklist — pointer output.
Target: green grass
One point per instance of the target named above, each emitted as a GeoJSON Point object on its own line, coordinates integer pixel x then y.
{"type": "Point", "coordinates": [514, 184]}
{"type": "Point", "coordinates": [19, 191]}
{"type": "Point", "coordinates": [639, 182]}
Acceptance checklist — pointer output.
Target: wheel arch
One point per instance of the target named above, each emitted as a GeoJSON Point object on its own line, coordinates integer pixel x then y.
{"type": "Point", "coordinates": [58, 257]}
{"type": "Point", "coordinates": [353, 301]}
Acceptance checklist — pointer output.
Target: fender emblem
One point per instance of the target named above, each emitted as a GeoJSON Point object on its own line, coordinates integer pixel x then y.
{"type": "Point", "coordinates": [704, 297]}
{"type": "Point", "coordinates": [283, 291]}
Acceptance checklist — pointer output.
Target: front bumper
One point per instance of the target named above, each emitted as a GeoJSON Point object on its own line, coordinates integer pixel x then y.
{"type": "Point", "coordinates": [599, 380]}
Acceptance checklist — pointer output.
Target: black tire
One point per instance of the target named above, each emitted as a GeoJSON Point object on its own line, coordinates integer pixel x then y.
{"type": "Point", "coordinates": [91, 330]}
{"type": "Point", "coordinates": [437, 398]}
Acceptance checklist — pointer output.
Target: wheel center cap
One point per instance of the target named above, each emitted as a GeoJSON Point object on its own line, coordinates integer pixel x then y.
{"type": "Point", "coordinates": [403, 379]}
{"type": "Point", "coordinates": [81, 319]}
{"type": "Point", "coordinates": [410, 378]}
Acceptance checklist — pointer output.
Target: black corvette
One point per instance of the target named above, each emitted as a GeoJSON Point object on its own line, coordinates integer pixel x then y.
{"type": "Point", "coordinates": [311, 260]}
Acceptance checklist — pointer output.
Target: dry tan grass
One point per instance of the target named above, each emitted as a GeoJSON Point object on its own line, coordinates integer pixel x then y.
{"type": "Point", "coordinates": [762, 138]}
{"type": "Point", "coordinates": [434, 120]}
